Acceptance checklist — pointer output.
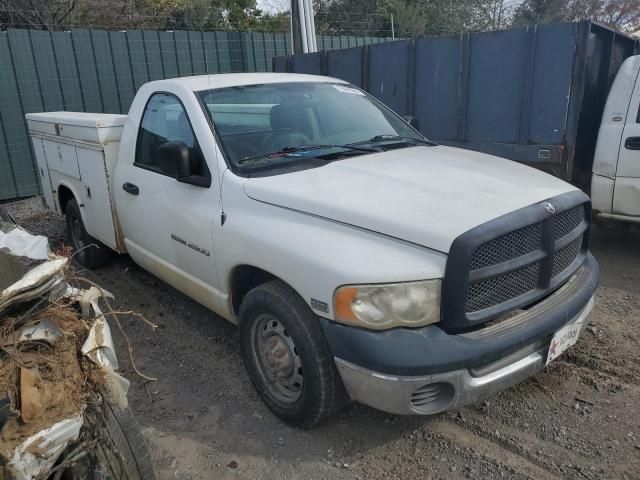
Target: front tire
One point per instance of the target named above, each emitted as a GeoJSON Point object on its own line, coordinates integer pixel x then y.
{"type": "Point", "coordinates": [88, 251]}
{"type": "Point", "coordinates": [287, 357]}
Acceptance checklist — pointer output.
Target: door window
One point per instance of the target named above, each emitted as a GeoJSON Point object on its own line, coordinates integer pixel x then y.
{"type": "Point", "coordinates": [165, 120]}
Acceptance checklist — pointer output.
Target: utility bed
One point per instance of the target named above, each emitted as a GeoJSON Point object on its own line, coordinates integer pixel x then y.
{"type": "Point", "coordinates": [81, 150]}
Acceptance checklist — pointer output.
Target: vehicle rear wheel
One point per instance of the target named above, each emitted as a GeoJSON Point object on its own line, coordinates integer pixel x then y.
{"type": "Point", "coordinates": [287, 357]}
{"type": "Point", "coordinates": [87, 250]}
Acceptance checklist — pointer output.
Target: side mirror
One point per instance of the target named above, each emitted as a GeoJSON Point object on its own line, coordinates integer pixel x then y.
{"type": "Point", "coordinates": [175, 157]}
{"type": "Point", "coordinates": [412, 121]}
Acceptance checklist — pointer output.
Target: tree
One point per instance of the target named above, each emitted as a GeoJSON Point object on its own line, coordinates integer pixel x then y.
{"type": "Point", "coordinates": [532, 12]}
{"type": "Point", "coordinates": [621, 15]}
{"type": "Point", "coordinates": [349, 17]}
{"type": "Point", "coordinates": [494, 14]}
{"type": "Point", "coordinates": [412, 17]}
{"type": "Point", "coordinates": [37, 14]}
{"type": "Point", "coordinates": [126, 14]}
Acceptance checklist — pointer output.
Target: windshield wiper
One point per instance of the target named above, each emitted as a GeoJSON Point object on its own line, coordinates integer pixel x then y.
{"type": "Point", "coordinates": [398, 138]}
{"type": "Point", "coordinates": [301, 148]}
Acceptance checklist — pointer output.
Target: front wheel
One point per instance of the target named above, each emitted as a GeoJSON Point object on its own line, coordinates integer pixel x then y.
{"type": "Point", "coordinates": [287, 357]}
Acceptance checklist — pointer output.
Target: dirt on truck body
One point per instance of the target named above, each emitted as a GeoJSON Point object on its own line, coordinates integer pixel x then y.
{"type": "Point", "coordinates": [579, 418]}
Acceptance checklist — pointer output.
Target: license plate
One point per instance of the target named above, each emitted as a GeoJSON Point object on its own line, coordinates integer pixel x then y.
{"type": "Point", "coordinates": [563, 339]}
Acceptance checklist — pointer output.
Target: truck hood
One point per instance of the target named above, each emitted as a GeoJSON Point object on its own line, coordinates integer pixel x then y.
{"type": "Point", "coordinates": [424, 195]}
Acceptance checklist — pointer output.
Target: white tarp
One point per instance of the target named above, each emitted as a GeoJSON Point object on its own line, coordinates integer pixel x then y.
{"type": "Point", "coordinates": [21, 243]}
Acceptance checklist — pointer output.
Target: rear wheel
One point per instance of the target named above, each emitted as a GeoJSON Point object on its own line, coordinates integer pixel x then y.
{"type": "Point", "coordinates": [87, 250]}
{"type": "Point", "coordinates": [287, 357]}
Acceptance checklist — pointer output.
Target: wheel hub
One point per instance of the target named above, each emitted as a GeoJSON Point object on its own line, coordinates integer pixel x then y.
{"type": "Point", "coordinates": [278, 359]}
{"type": "Point", "coordinates": [278, 356]}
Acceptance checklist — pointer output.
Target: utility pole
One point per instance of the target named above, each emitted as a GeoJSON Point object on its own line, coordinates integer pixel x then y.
{"type": "Point", "coordinates": [303, 27]}
{"type": "Point", "coordinates": [296, 28]}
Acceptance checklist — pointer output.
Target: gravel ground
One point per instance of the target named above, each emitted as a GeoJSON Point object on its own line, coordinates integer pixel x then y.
{"type": "Point", "coordinates": [579, 418]}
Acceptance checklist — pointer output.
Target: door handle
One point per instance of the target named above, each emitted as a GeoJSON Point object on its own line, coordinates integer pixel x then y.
{"type": "Point", "coordinates": [131, 188]}
{"type": "Point", "coordinates": [632, 143]}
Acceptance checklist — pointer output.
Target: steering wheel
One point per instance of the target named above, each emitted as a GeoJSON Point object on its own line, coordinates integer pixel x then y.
{"type": "Point", "coordinates": [278, 140]}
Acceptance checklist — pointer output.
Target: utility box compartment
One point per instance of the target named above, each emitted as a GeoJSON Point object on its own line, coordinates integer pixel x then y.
{"type": "Point", "coordinates": [78, 151]}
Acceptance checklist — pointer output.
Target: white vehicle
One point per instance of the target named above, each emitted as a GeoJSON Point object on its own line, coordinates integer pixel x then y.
{"type": "Point", "coordinates": [359, 259]}
{"type": "Point", "coordinates": [615, 185]}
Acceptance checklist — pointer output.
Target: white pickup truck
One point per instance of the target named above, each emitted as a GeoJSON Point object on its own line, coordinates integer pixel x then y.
{"type": "Point", "coordinates": [359, 259]}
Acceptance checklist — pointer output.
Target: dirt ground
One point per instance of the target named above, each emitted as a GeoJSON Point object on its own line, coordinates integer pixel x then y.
{"type": "Point", "coordinates": [579, 418]}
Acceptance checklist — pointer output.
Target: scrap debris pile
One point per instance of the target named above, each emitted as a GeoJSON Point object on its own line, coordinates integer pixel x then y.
{"type": "Point", "coordinates": [57, 361]}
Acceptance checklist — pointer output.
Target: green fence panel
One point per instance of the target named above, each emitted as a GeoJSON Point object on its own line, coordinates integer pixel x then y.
{"type": "Point", "coordinates": [68, 71]}
{"type": "Point", "coordinates": [29, 100]}
{"type": "Point", "coordinates": [122, 66]}
{"type": "Point", "coordinates": [237, 52]}
{"type": "Point", "coordinates": [282, 47]}
{"type": "Point", "coordinates": [250, 53]}
{"type": "Point", "coordinates": [196, 46]}
{"type": "Point", "coordinates": [106, 71]}
{"type": "Point", "coordinates": [223, 44]}
{"type": "Point", "coordinates": [86, 62]}
{"type": "Point", "coordinates": [153, 54]}
{"type": "Point", "coordinates": [260, 52]}
{"type": "Point", "coordinates": [8, 100]}
{"type": "Point", "coordinates": [47, 70]}
{"type": "Point", "coordinates": [183, 53]}
{"type": "Point", "coordinates": [210, 52]}
{"type": "Point", "coordinates": [269, 45]}
{"type": "Point", "coordinates": [137, 57]}
{"type": "Point", "coordinates": [8, 183]}
{"type": "Point", "coordinates": [168, 52]}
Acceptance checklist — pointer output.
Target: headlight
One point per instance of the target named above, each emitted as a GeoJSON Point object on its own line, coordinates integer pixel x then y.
{"type": "Point", "coordinates": [411, 304]}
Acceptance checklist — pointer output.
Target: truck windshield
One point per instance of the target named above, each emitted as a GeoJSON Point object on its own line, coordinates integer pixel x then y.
{"type": "Point", "coordinates": [273, 126]}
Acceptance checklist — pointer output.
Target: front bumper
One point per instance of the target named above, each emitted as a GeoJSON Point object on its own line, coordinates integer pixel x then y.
{"type": "Point", "coordinates": [426, 371]}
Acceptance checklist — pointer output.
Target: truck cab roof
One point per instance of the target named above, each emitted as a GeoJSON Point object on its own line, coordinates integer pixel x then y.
{"type": "Point", "coordinates": [222, 80]}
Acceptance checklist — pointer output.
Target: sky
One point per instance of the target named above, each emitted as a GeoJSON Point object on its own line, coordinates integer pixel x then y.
{"type": "Point", "coordinates": [273, 6]}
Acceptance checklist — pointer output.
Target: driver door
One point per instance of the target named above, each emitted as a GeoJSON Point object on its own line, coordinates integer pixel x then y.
{"type": "Point", "coordinates": [168, 224]}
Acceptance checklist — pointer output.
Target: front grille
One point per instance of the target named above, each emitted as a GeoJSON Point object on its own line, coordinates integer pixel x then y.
{"type": "Point", "coordinates": [487, 293]}
{"type": "Point", "coordinates": [511, 282]}
{"type": "Point", "coordinates": [514, 260]}
{"type": "Point", "coordinates": [511, 245]}
{"type": "Point", "coordinates": [564, 257]}
{"type": "Point", "coordinates": [568, 221]}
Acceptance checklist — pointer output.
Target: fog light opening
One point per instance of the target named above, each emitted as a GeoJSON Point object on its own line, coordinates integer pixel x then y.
{"type": "Point", "coordinates": [432, 397]}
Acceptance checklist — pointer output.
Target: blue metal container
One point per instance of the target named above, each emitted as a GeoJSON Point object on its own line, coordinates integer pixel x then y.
{"type": "Point", "coordinates": [534, 94]}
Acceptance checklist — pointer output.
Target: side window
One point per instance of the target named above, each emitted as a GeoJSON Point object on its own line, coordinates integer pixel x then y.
{"type": "Point", "coordinates": [165, 120]}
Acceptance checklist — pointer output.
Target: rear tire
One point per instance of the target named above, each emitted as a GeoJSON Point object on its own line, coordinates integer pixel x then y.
{"type": "Point", "coordinates": [88, 251]}
{"type": "Point", "coordinates": [287, 357]}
